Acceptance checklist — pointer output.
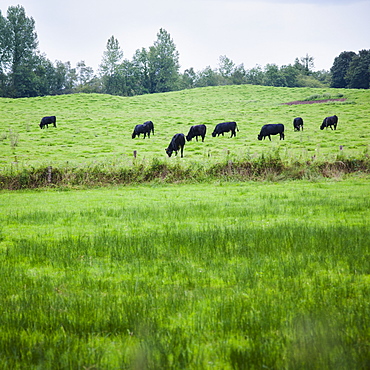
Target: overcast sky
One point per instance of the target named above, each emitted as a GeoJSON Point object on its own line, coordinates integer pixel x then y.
{"type": "Point", "coordinates": [246, 31]}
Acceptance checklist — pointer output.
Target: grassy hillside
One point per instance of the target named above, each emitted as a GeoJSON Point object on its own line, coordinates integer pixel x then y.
{"type": "Point", "coordinates": [97, 128]}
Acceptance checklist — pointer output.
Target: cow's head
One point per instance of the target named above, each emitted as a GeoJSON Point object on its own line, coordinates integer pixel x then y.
{"type": "Point", "coordinates": [134, 135]}
{"type": "Point", "coordinates": [169, 151]}
{"type": "Point", "coordinates": [323, 125]}
{"type": "Point", "coordinates": [259, 137]}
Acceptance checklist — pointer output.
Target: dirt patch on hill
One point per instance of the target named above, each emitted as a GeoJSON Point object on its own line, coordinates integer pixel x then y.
{"type": "Point", "coordinates": [313, 101]}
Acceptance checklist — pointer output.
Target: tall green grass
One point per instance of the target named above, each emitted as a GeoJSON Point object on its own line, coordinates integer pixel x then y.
{"type": "Point", "coordinates": [221, 275]}
{"type": "Point", "coordinates": [270, 166]}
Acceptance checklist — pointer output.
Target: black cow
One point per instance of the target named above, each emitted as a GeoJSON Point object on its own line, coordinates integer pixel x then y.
{"type": "Point", "coordinates": [144, 128]}
{"type": "Point", "coordinates": [271, 129]}
{"type": "Point", "coordinates": [46, 121]}
{"type": "Point", "coordinates": [177, 143]}
{"type": "Point", "coordinates": [329, 122]}
{"type": "Point", "coordinates": [150, 124]}
{"type": "Point", "coordinates": [225, 127]}
{"type": "Point", "coordinates": [195, 131]}
{"type": "Point", "coordinates": [298, 124]}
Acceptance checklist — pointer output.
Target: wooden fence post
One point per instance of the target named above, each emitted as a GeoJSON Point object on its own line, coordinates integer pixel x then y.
{"type": "Point", "coordinates": [49, 174]}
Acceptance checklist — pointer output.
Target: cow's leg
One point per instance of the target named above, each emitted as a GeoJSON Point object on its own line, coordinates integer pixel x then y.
{"type": "Point", "coordinates": [182, 152]}
{"type": "Point", "coordinates": [269, 137]}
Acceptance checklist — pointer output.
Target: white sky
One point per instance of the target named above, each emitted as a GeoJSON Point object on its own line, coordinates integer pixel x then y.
{"type": "Point", "coordinates": [251, 32]}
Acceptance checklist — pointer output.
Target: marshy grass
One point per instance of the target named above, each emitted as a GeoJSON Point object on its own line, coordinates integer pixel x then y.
{"type": "Point", "coordinates": [271, 166]}
{"type": "Point", "coordinates": [222, 275]}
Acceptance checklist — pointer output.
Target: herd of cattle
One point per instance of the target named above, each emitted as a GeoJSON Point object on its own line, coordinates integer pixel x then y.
{"type": "Point", "coordinates": [178, 140]}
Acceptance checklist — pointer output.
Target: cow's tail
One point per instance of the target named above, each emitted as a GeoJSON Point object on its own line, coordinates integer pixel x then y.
{"type": "Point", "coordinates": [237, 126]}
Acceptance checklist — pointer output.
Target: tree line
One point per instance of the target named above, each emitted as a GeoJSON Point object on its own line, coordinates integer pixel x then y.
{"type": "Point", "coordinates": [26, 72]}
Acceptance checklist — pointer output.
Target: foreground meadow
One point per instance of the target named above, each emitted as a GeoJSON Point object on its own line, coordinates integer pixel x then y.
{"type": "Point", "coordinates": [207, 276]}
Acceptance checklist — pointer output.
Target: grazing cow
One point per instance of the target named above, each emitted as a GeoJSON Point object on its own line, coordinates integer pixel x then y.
{"type": "Point", "coordinates": [46, 121]}
{"type": "Point", "coordinates": [195, 131]}
{"type": "Point", "coordinates": [177, 143]}
{"type": "Point", "coordinates": [150, 125]}
{"type": "Point", "coordinates": [271, 129]}
{"type": "Point", "coordinates": [329, 121]}
{"type": "Point", "coordinates": [225, 127]}
{"type": "Point", "coordinates": [145, 129]}
{"type": "Point", "coordinates": [298, 124]}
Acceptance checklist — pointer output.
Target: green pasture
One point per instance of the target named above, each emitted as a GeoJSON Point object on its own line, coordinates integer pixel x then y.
{"type": "Point", "coordinates": [212, 275]}
{"type": "Point", "coordinates": [97, 128]}
{"type": "Point", "coordinates": [245, 275]}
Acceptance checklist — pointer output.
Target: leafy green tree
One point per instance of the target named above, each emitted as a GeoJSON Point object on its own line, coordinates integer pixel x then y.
{"type": "Point", "coordinates": [18, 55]}
{"type": "Point", "coordinates": [230, 73]}
{"type": "Point", "coordinates": [140, 65]}
{"type": "Point", "coordinates": [340, 68]}
{"type": "Point", "coordinates": [188, 79]}
{"type": "Point", "coordinates": [226, 68]}
{"type": "Point", "coordinates": [323, 77]}
{"type": "Point", "coordinates": [84, 73]}
{"type": "Point", "coordinates": [128, 72]}
{"type": "Point", "coordinates": [305, 64]}
{"type": "Point", "coordinates": [164, 64]}
{"type": "Point", "coordinates": [112, 57]}
{"type": "Point", "coordinates": [207, 77]}
{"type": "Point", "coordinates": [273, 77]}
{"type": "Point", "coordinates": [3, 38]}
{"type": "Point", "coordinates": [3, 77]}
{"type": "Point", "coordinates": [110, 68]}
{"type": "Point", "coordinates": [309, 81]}
{"type": "Point", "coordinates": [255, 76]}
{"type": "Point", "coordinates": [358, 73]}
{"type": "Point", "coordinates": [290, 74]}
{"type": "Point", "coordinates": [60, 76]}
{"type": "Point", "coordinates": [87, 82]}
{"type": "Point", "coordinates": [238, 76]}
{"type": "Point", "coordinates": [43, 77]}
{"type": "Point", "coordinates": [65, 78]}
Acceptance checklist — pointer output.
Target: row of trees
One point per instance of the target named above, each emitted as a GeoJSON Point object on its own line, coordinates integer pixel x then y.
{"type": "Point", "coordinates": [24, 71]}
{"type": "Point", "coordinates": [351, 70]}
